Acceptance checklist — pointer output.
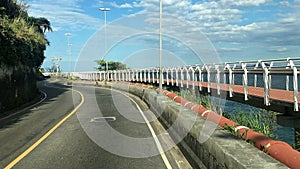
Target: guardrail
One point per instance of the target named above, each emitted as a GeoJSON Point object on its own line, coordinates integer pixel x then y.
{"type": "Point", "coordinates": [267, 74]}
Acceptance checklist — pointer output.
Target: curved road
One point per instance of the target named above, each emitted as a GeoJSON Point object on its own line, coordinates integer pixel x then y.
{"type": "Point", "coordinates": [109, 130]}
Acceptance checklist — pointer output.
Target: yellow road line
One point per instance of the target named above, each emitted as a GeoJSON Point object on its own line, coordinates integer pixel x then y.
{"type": "Point", "coordinates": [32, 147]}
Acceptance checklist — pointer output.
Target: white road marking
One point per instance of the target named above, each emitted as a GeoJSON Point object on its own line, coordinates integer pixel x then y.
{"type": "Point", "coordinates": [159, 147]}
{"type": "Point", "coordinates": [27, 108]}
{"type": "Point", "coordinates": [103, 119]}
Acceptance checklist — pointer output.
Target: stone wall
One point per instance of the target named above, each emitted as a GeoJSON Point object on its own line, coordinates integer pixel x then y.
{"type": "Point", "coordinates": [18, 86]}
{"type": "Point", "coordinates": [221, 150]}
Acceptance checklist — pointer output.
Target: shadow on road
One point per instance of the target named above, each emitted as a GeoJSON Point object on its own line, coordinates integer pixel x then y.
{"type": "Point", "coordinates": [52, 88]}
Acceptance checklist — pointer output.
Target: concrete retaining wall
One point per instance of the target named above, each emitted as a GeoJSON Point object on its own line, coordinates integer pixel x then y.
{"type": "Point", "coordinates": [221, 150]}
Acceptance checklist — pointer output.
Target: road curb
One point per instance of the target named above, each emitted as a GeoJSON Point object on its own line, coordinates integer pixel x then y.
{"type": "Point", "coordinates": [279, 150]}
{"type": "Point", "coordinates": [229, 150]}
{"type": "Point", "coordinates": [17, 112]}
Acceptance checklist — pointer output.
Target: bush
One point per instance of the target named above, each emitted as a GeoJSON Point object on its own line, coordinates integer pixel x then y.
{"type": "Point", "coordinates": [260, 121]}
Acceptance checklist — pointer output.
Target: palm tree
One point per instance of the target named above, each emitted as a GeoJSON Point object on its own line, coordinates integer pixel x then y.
{"type": "Point", "coordinates": [42, 24]}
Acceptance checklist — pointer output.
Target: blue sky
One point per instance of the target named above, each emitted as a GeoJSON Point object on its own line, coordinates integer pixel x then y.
{"type": "Point", "coordinates": [195, 31]}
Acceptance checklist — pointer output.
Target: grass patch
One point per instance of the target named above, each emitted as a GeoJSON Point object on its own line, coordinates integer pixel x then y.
{"type": "Point", "coordinates": [261, 121]}
{"type": "Point", "coordinates": [296, 145]}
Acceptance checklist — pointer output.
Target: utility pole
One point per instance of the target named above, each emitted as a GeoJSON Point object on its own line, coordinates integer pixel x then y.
{"type": "Point", "coordinates": [60, 65]}
{"type": "Point", "coordinates": [57, 65]}
{"type": "Point", "coordinates": [53, 65]}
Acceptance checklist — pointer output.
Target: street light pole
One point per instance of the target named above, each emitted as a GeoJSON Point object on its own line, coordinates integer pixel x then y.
{"type": "Point", "coordinates": [105, 37]}
{"type": "Point", "coordinates": [160, 47]}
{"type": "Point", "coordinates": [68, 35]}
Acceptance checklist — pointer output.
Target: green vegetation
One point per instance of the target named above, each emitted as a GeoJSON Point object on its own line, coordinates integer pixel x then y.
{"type": "Point", "coordinates": [111, 65]}
{"type": "Point", "coordinates": [22, 39]}
{"type": "Point", "coordinates": [52, 69]}
{"type": "Point", "coordinates": [237, 133]}
{"type": "Point", "coordinates": [191, 96]}
{"type": "Point", "coordinates": [22, 44]}
{"type": "Point", "coordinates": [296, 145]}
{"type": "Point", "coordinates": [260, 121]}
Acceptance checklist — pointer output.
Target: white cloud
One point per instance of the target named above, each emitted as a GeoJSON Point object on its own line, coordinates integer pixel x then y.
{"type": "Point", "coordinates": [285, 4]}
{"type": "Point", "coordinates": [278, 49]}
{"type": "Point", "coordinates": [243, 3]}
{"type": "Point", "coordinates": [126, 5]}
{"type": "Point", "coordinates": [230, 49]}
{"type": "Point", "coordinates": [64, 14]}
{"type": "Point", "coordinates": [223, 21]}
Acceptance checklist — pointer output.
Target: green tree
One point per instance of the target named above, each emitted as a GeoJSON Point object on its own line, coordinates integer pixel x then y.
{"type": "Point", "coordinates": [42, 24]}
{"type": "Point", "coordinates": [13, 9]}
{"type": "Point", "coordinates": [22, 38]}
{"type": "Point", "coordinates": [111, 65]}
{"type": "Point", "coordinates": [22, 46]}
{"type": "Point", "coordinates": [42, 70]}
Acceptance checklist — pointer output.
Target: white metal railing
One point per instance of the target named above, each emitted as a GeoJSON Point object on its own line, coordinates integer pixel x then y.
{"type": "Point", "coordinates": [248, 73]}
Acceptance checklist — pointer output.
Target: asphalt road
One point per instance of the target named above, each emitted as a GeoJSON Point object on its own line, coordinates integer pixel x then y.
{"type": "Point", "coordinates": [109, 130]}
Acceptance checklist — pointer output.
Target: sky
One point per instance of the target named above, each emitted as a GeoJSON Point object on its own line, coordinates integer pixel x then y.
{"type": "Point", "coordinates": [193, 31]}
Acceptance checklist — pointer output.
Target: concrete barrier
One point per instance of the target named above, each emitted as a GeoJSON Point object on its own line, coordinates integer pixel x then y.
{"type": "Point", "coordinates": [221, 150]}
